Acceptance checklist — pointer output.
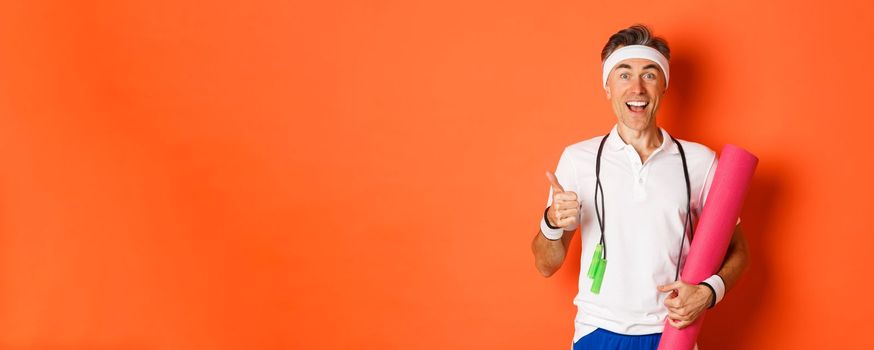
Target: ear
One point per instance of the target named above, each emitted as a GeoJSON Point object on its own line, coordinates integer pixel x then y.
{"type": "Point", "coordinates": [607, 91]}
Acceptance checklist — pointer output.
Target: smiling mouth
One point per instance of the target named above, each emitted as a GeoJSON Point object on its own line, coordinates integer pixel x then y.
{"type": "Point", "coordinates": [636, 106]}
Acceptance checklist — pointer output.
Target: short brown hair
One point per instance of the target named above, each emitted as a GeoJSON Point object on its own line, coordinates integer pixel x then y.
{"type": "Point", "coordinates": [637, 34]}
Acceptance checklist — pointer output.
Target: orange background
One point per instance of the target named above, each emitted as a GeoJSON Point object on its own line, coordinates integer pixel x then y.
{"type": "Point", "coordinates": [368, 175]}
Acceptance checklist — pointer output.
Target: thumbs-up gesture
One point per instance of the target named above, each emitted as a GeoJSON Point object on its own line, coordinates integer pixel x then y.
{"type": "Point", "coordinates": [565, 208]}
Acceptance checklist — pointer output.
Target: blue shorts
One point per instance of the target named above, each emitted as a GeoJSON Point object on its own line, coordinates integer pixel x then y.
{"type": "Point", "coordinates": [601, 339]}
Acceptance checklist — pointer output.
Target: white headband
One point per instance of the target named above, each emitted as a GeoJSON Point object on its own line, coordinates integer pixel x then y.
{"type": "Point", "coordinates": [636, 51]}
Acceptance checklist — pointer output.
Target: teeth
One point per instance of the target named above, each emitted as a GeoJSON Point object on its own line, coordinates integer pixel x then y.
{"type": "Point", "coordinates": [636, 103]}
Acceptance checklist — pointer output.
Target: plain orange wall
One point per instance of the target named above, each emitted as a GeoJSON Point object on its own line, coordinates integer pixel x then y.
{"type": "Point", "coordinates": [368, 175]}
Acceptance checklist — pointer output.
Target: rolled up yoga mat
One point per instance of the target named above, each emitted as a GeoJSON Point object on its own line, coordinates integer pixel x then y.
{"type": "Point", "coordinates": [713, 234]}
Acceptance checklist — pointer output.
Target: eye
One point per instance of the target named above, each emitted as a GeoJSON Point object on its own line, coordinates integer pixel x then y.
{"type": "Point", "coordinates": [649, 76]}
{"type": "Point", "coordinates": [624, 76]}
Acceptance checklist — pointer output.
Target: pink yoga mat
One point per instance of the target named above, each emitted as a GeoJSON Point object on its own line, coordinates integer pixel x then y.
{"type": "Point", "coordinates": [714, 231]}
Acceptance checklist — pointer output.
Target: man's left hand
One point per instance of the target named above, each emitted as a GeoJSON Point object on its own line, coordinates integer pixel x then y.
{"type": "Point", "coordinates": [686, 302]}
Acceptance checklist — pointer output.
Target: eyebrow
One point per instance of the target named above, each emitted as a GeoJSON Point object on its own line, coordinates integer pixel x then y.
{"type": "Point", "coordinates": [649, 66]}
{"type": "Point", "coordinates": [652, 66]}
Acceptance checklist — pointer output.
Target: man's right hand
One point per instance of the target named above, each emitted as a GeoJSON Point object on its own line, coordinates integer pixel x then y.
{"type": "Point", "coordinates": [565, 208]}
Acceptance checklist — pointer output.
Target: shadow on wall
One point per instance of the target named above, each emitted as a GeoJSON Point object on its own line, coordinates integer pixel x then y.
{"type": "Point", "coordinates": [680, 115]}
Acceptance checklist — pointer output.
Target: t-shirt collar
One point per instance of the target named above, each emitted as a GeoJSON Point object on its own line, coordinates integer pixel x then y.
{"type": "Point", "coordinates": [615, 142]}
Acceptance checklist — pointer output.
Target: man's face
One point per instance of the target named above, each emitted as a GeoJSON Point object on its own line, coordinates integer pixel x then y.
{"type": "Point", "coordinates": [634, 88]}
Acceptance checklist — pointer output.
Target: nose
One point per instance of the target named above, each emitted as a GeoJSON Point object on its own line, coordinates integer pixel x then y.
{"type": "Point", "coordinates": [637, 86]}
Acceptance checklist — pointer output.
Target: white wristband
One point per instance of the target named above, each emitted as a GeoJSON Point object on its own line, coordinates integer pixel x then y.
{"type": "Point", "coordinates": [551, 234]}
{"type": "Point", "coordinates": [718, 286]}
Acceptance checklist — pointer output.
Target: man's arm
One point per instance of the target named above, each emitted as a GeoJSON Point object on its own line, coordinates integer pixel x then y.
{"type": "Point", "coordinates": [690, 300]}
{"type": "Point", "coordinates": [549, 255]}
{"type": "Point", "coordinates": [736, 259]}
{"type": "Point", "coordinates": [563, 212]}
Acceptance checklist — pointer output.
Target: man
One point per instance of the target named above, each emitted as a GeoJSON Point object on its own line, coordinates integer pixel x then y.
{"type": "Point", "coordinates": [638, 192]}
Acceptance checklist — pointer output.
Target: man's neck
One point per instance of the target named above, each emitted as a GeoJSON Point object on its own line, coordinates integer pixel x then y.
{"type": "Point", "coordinates": [644, 141]}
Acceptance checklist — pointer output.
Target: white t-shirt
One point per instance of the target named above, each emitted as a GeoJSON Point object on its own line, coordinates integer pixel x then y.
{"type": "Point", "coordinates": [645, 207]}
